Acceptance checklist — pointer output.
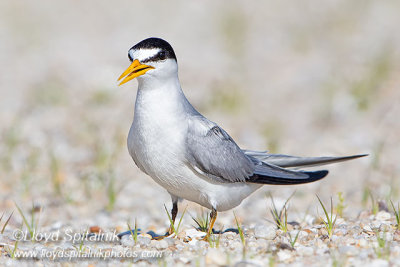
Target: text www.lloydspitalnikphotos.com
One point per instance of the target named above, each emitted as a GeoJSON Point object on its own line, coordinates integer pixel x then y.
{"type": "Point", "coordinates": [77, 249]}
{"type": "Point", "coordinates": [71, 254]}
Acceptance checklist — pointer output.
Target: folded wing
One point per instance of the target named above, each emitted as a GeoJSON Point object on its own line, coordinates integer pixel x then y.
{"type": "Point", "coordinates": [213, 153]}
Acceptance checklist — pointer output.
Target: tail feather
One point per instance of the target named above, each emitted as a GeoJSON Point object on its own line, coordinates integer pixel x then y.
{"type": "Point", "coordinates": [272, 168]}
{"type": "Point", "coordinates": [286, 161]}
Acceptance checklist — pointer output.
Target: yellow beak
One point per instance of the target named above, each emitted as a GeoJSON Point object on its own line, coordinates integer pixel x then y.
{"type": "Point", "coordinates": [134, 70]}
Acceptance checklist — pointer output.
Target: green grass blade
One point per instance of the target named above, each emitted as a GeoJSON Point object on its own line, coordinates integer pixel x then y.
{"type": "Point", "coordinates": [293, 241]}
{"type": "Point", "coordinates": [396, 213]}
{"type": "Point", "coordinates": [202, 222]}
{"type": "Point", "coordinates": [5, 224]}
{"type": "Point", "coordinates": [25, 220]}
{"type": "Point", "coordinates": [180, 220]}
{"type": "Point", "coordinates": [239, 230]}
{"type": "Point", "coordinates": [134, 232]}
{"type": "Point", "coordinates": [323, 207]}
{"type": "Point", "coordinates": [170, 219]}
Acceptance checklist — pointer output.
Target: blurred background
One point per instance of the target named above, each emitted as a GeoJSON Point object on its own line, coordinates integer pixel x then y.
{"type": "Point", "coordinates": [294, 77]}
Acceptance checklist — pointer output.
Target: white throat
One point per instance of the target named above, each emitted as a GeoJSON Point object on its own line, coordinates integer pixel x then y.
{"type": "Point", "coordinates": [160, 100]}
{"type": "Point", "coordinates": [150, 82]}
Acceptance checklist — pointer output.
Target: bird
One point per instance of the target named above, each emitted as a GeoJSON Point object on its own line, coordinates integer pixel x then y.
{"type": "Point", "coordinates": [187, 154]}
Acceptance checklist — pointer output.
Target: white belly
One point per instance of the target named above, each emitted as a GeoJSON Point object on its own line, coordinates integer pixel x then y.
{"type": "Point", "coordinates": [160, 155]}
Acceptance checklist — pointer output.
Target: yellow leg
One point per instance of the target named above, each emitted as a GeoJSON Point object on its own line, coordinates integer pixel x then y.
{"type": "Point", "coordinates": [213, 218]}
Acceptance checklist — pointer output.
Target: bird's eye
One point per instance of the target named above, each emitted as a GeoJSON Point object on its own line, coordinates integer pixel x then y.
{"type": "Point", "coordinates": [162, 55]}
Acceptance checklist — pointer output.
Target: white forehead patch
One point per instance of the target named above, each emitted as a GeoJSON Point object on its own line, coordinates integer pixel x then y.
{"type": "Point", "coordinates": [143, 54]}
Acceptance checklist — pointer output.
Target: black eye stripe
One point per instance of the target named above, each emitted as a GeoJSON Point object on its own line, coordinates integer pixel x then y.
{"type": "Point", "coordinates": [162, 55]}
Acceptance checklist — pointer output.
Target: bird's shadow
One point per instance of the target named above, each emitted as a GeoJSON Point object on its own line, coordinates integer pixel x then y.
{"type": "Point", "coordinates": [154, 235]}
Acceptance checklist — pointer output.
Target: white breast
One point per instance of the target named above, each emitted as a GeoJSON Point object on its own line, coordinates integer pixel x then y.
{"type": "Point", "coordinates": [157, 134]}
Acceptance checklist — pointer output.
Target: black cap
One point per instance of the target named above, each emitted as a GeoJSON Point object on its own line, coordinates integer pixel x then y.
{"type": "Point", "coordinates": [149, 43]}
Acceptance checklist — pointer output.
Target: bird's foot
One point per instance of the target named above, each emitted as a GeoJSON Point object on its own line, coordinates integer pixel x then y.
{"type": "Point", "coordinates": [207, 237]}
{"type": "Point", "coordinates": [170, 231]}
{"type": "Point", "coordinates": [213, 217]}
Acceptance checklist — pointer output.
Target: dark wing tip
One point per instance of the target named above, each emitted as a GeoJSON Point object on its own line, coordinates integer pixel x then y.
{"type": "Point", "coordinates": [312, 177]}
{"type": "Point", "coordinates": [316, 175]}
{"type": "Point", "coordinates": [357, 156]}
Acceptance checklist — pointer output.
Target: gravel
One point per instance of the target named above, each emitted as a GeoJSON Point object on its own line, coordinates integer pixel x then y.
{"type": "Point", "coordinates": [265, 231]}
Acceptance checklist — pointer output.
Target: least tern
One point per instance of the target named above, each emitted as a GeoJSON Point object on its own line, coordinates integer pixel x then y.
{"type": "Point", "coordinates": [190, 156]}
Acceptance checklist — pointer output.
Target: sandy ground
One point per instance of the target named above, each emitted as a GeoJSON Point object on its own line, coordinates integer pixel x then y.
{"type": "Point", "coordinates": [301, 78]}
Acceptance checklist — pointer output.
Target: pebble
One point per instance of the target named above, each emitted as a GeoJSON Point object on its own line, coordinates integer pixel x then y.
{"type": "Point", "coordinates": [385, 226]}
{"type": "Point", "coordinates": [367, 228]}
{"type": "Point", "coordinates": [309, 219]}
{"type": "Point", "coordinates": [340, 232]}
{"type": "Point", "coordinates": [311, 230]}
{"type": "Point", "coordinates": [383, 216]}
{"type": "Point", "coordinates": [355, 230]}
{"type": "Point", "coordinates": [284, 255]}
{"type": "Point", "coordinates": [249, 263]}
{"type": "Point", "coordinates": [147, 235]}
{"type": "Point", "coordinates": [323, 231]}
{"type": "Point", "coordinates": [377, 263]}
{"type": "Point", "coordinates": [143, 240]}
{"type": "Point", "coordinates": [159, 244]}
{"type": "Point", "coordinates": [348, 250]}
{"type": "Point", "coordinates": [180, 246]}
{"type": "Point", "coordinates": [302, 234]}
{"type": "Point", "coordinates": [396, 236]}
{"type": "Point", "coordinates": [386, 236]}
{"type": "Point", "coordinates": [262, 244]}
{"type": "Point", "coordinates": [340, 222]}
{"type": "Point", "coordinates": [305, 251]}
{"type": "Point", "coordinates": [229, 235]}
{"type": "Point", "coordinates": [216, 257]}
{"type": "Point", "coordinates": [193, 233]}
{"type": "Point", "coordinates": [182, 235]}
{"type": "Point", "coordinates": [185, 260]}
{"type": "Point", "coordinates": [95, 229]}
{"type": "Point", "coordinates": [202, 245]}
{"type": "Point", "coordinates": [252, 244]}
{"type": "Point", "coordinates": [265, 231]}
{"type": "Point", "coordinates": [193, 242]}
{"type": "Point", "coordinates": [351, 241]}
{"type": "Point", "coordinates": [362, 243]}
{"type": "Point", "coordinates": [363, 254]}
{"type": "Point", "coordinates": [364, 214]}
{"type": "Point", "coordinates": [3, 240]}
{"type": "Point", "coordinates": [322, 250]}
{"type": "Point", "coordinates": [57, 225]}
{"type": "Point", "coordinates": [127, 240]}
{"type": "Point", "coordinates": [170, 241]}
{"type": "Point", "coordinates": [335, 238]}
